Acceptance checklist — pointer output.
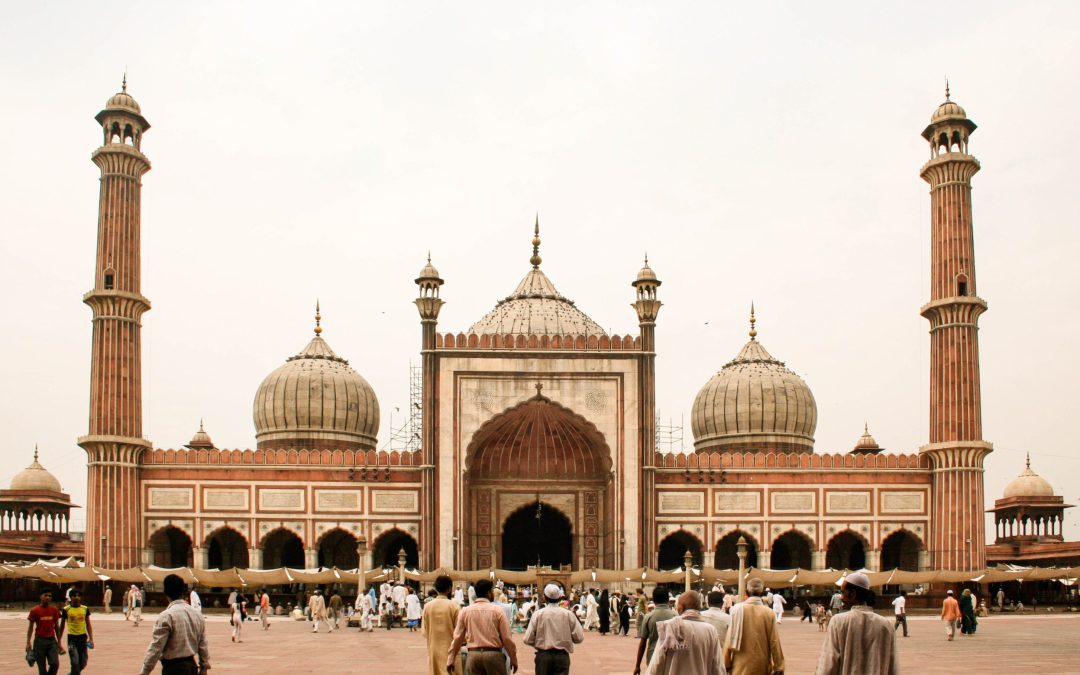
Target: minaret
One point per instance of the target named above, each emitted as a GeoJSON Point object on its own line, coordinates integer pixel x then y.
{"type": "Point", "coordinates": [113, 533]}
{"type": "Point", "coordinates": [647, 307]}
{"type": "Point", "coordinates": [429, 304]}
{"type": "Point", "coordinates": [956, 448]}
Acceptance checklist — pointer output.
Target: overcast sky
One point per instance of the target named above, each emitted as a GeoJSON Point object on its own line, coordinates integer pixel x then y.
{"type": "Point", "coordinates": [767, 153]}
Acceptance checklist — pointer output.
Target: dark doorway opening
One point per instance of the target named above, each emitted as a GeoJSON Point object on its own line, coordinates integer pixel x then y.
{"type": "Point", "coordinates": [727, 551]}
{"type": "Point", "coordinates": [338, 549]}
{"type": "Point", "coordinates": [789, 551]}
{"type": "Point", "coordinates": [171, 548]}
{"type": "Point", "coordinates": [283, 549]}
{"type": "Point", "coordinates": [900, 551]}
{"type": "Point", "coordinates": [673, 550]}
{"type": "Point", "coordinates": [537, 534]}
{"type": "Point", "coordinates": [389, 545]}
{"type": "Point", "coordinates": [227, 549]}
{"type": "Point", "coordinates": [846, 552]}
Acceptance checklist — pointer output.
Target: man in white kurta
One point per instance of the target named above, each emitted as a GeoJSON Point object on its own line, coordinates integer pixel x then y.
{"type": "Point", "coordinates": [317, 609]}
{"type": "Point", "coordinates": [778, 607]}
{"type": "Point", "coordinates": [592, 616]}
{"type": "Point", "coordinates": [363, 609]}
{"type": "Point", "coordinates": [859, 641]}
{"type": "Point", "coordinates": [399, 594]}
{"type": "Point", "coordinates": [688, 644]}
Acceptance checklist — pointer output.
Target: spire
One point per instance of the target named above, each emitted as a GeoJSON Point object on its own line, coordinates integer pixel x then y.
{"type": "Point", "coordinates": [201, 426]}
{"type": "Point", "coordinates": [1027, 463]}
{"type": "Point", "coordinates": [535, 259]}
{"type": "Point", "coordinates": [753, 320]}
{"type": "Point", "coordinates": [866, 427]}
{"type": "Point", "coordinates": [318, 319]}
{"type": "Point", "coordinates": [947, 88]}
{"type": "Point", "coordinates": [36, 455]}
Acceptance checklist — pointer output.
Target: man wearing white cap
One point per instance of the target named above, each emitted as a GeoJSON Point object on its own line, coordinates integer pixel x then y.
{"type": "Point", "coordinates": [859, 641]}
{"type": "Point", "coordinates": [950, 613]}
{"type": "Point", "coordinates": [553, 632]}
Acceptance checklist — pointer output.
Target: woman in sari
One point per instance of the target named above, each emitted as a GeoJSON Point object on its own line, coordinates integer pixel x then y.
{"type": "Point", "coordinates": [967, 613]}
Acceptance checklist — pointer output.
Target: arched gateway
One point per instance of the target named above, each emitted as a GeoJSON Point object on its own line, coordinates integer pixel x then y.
{"type": "Point", "coordinates": [537, 488]}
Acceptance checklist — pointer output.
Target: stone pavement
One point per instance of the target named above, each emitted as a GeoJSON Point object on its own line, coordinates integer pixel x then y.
{"type": "Point", "coordinates": [1033, 644]}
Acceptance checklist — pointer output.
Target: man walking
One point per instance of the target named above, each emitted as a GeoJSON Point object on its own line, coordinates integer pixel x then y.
{"type": "Point", "coordinates": [900, 608]}
{"type": "Point", "coordinates": [950, 613]}
{"type": "Point", "coordinates": [80, 632]}
{"type": "Point", "coordinates": [364, 610]}
{"type": "Point", "coordinates": [106, 599]}
{"type": "Point", "coordinates": [45, 631]}
{"type": "Point", "coordinates": [753, 641]}
{"type": "Point", "coordinates": [179, 635]}
{"type": "Point", "coordinates": [688, 644]}
{"type": "Point", "coordinates": [438, 621]}
{"type": "Point", "coordinates": [716, 615]}
{"type": "Point", "coordinates": [135, 602]}
{"type": "Point", "coordinates": [836, 604]}
{"type": "Point", "coordinates": [317, 609]}
{"type": "Point", "coordinates": [553, 632]}
{"type": "Point", "coordinates": [778, 606]}
{"type": "Point", "coordinates": [1001, 600]}
{"type": "Point", "coordinates": [859, 641]}
{"type": "Point", "coordinates": [195, 601]}
{"type": "Point", "coordinates": [264, 609]}
{"type": "Point", "coordinates": [334, 608]}
{"type": "Point", "coordinates": [648, 633]}
{"type": "Point", "coordinates": [483, 629]}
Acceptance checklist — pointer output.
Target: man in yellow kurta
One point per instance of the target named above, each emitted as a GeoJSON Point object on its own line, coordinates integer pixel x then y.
{"type": "Point", "coordinates": [752, 645]}
{"type": "Point", "coordinates": [438, 622]}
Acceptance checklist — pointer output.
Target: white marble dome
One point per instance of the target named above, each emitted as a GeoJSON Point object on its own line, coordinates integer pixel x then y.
{"type": "Point", "coordinates": [35, 477]}
{"type": "Point", "coordinates": [316, 400]}
{"type": "Point", "coordinates": [754, 403]}
{"type": "Point", "coordinates": [536, 308]}
{"type": "Point", "coordinates": [1028, 484]}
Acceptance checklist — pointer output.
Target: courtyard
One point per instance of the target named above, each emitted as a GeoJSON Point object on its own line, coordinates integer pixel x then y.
{"type": "Point", "coordinates": [1045, 644]}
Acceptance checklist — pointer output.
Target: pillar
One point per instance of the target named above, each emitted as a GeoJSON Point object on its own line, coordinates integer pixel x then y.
{"type": "Point", "coordinates": [311, 558]}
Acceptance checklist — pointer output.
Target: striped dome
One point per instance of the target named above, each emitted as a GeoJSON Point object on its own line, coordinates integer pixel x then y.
{"type": "Point", "coordinates": [315, 400]}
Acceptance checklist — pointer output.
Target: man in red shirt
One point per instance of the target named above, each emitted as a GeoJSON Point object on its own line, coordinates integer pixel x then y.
{"type": "Point", "coordinates": [45, 631]}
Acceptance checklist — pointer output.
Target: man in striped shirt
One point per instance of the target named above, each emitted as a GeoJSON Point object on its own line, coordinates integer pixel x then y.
{"type": "Point", "coordinates": [482, 627]}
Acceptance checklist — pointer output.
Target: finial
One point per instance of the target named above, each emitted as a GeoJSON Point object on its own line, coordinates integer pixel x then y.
{"type": "Point", "coordinates": [36, 454]}
{"type": "Point", "coordinates": [535, 259]}
{"type": "Point", "coordinates": [1028, 458]}
{"type": "Point", "coordinates": [123, 85]}
{"type": "Point", "coordinates": [200, 425]}
{"type": "Point", "coordinates": [318, 318]}
{"type": "Point", "coordinates": [646, 258]}
{"type": "Point", "coordinates": [866, 427]}
{"type": "Point", "coordinates": [539, 387]}
{"type": "Point", "coordinates": [429, 257]}
{"type": "Point", "coordinates": [946, 87]}
{"type": "Point", "coordinates": [753, 320]}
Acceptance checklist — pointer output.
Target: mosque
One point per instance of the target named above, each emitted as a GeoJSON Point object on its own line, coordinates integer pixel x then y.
{"type": "Point", "coordinates": [538, 441]}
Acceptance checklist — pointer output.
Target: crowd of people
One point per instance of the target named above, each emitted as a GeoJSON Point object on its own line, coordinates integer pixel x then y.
{"type": "Point", "coordinates": [470, 630]}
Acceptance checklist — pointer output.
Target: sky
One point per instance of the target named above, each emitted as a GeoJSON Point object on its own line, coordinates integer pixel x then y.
{"type": "Point", "coordinates": [764, 152]}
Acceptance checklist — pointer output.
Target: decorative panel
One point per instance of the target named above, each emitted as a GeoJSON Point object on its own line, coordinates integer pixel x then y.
{"type": "Point", "coordinates": [337, 500]}
{"type": "Point", "coordinates": [395, 501]}
{"type": "Point", "coordinates": [903, 502]}
{"type": "Point", "coordinates": [793, 502]}
{"type": "Point", "coordinates": [682, 502]}
{"type": "Point", "coordinates": [171, 498]}
{"type": "Point", "coordinates": [847, 502]}
{"type": "Point", "coordinates": [281, 499]}
{"type": "Point", "coordinates": [220, 499]}
{"type": "Point", "coordinates": [731, 501]}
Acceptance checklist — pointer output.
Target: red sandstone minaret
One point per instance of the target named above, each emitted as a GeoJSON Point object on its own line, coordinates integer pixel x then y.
{"type": "Point", "coordinates": [429, 304]}
{"type": "Point", "coordinates": [115, 438]}
{"type": "Point", "coordinates": [956, 448]}
{"type": "Point", "coordinates": [647, 307]}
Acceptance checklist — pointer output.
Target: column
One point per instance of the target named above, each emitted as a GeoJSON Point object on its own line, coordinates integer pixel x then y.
{"type": "Point", "coordinates": [817, 560]}
{"type": "Point", "coordinates": [873, 560]}
{"type": "Point", "coordinates": [311, 558]}
{"type": "Point", "coordinates": [255, 558]}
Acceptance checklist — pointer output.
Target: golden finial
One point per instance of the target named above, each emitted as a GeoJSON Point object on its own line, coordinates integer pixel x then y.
{"type": "Point", "coordinates": [753, 320]}
{"type": "Point", "coordinates": [318, 318]}
{"type": "Point", "coordinates": [947, 88]}
{"type": "Point", "coordinates": [535, 259]}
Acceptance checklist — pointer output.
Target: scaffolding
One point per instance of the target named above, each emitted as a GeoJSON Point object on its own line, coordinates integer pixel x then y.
{"type": "Point", "coordinates": [669, 437]}
{"type": "Point", "coordinates": [407, 436]}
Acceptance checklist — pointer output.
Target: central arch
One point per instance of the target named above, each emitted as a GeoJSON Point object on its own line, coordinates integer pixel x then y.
{"type": "Point", "coordinates": [171, 547]}
{"type": "Point", "coordinates": [900, 550]}
{"type": "Point", "coordinates": [226, 548]}
{"type": "Point", "coordinates": [538, 448]}
{"type": "Point", "coordinates": [537, 534]}
{"type": "Point", "coordinates": [672, 551]}
{"type": "Point", "coordinates": [337, 548]}
{"type": "Point", "coordinates": [283, 548]}
{"type": "Point", "coordinates": [727, 551]}
{"type": "Point", "coordinates": [791, 550]}
{"type": "Point", "coordinates": [847, 551]}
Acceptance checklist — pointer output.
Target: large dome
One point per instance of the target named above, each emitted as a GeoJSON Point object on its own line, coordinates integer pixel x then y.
{"type": "Point", "coordinates": [35, 477]}
{"type": "Point", "coordinates": [536, 308]}
{"type": "Point", "coordinates": [317, 401]}
{"type": "Point", "coordinates": [754, 403]}
{"type": "Point", "coordinates": [1028, 484]}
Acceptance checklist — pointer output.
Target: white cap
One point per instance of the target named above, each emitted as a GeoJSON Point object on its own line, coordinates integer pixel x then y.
{"type": "Point", "coordinates": [553, 592]}
{"type": "Point", "coordinates": [855, 579]}
{"type": "Point", "coordinates": [949, 592]}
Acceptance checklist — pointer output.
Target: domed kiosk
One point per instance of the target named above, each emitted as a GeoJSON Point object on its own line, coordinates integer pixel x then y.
{"type": "Point", "coordinates": [316, 400]}
{"type": "Point", "coordinates": [754, 403]}
{"type": "Point", "coordinates": [34, 517]}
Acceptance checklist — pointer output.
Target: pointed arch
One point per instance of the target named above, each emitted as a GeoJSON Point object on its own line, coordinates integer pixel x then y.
{"type": "Point", "coordinates": [846, 550]}
{"type": "Point", "coordinates": [901, 550]}
{"type": "Point", "coordinates": [337, 548]}
{"type": "Point", "coordinates": [672, 550]}
{"type": "Point", "coordinates": [282, 547]}
{"type": "Point", "coordinates": [390, 543]}
{"type": "Point", "coordinates": [727, 556]}
{"type": "Point", "coordinates": [791, 549]}
{"type": "Point", "coordinates": [171, 547]}
{"type": "Point", "coordinates": [226, 547]}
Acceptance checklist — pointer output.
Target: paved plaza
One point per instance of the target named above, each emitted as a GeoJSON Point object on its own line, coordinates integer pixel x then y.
{"type": "Point", "coordinates": [1032, 644]}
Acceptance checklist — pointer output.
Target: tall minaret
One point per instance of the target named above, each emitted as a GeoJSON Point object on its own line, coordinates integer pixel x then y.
{"type": "Point", "coordinates": [956, 448]}
{"type": "Point", "coordinates": [647, 307]}
{"type": "Point", "coordinates": [113, 533]}
{"type": "Point", "coordinates": [429, 304]}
